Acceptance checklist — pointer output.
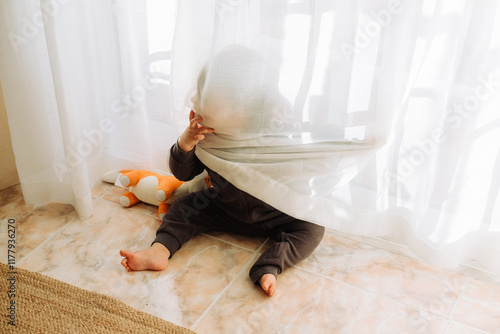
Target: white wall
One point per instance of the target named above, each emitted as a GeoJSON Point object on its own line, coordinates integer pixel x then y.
{"type": "Point", "coordinates": [8, 171]}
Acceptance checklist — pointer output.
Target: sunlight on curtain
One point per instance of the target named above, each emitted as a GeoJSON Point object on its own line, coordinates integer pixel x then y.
{"type": "Point", "coordinates": [86, 87]}
{"type": "Point", "coordinates": [340, 78]}
{"type": "Point", "coordinates": [388, 126]}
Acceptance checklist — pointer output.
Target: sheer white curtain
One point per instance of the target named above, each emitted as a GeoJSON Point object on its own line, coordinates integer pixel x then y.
{"type": "Point", "coordinates": [86, 87]}
{"type": "Point", "coordinates": [375, 117]}
{"type": "Point", "coordinates": [372, 117]}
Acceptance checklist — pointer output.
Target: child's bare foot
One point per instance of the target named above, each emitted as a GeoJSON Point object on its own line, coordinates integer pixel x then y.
{"type": "Point", "coordinates": [153, 258]}
{"type": "Point", "coordinates": [268, 284]}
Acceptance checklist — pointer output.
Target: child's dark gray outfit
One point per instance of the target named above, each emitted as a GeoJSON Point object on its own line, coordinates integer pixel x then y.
{"type": "Point", "coordinates": [227, 208]}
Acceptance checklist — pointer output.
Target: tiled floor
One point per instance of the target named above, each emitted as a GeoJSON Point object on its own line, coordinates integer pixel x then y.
{"type": "Point", "coordinates": [348, 285]}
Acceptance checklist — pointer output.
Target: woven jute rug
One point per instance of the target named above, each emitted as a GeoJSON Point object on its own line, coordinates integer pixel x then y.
{"type": "Point", "coordinates": [39, 304]}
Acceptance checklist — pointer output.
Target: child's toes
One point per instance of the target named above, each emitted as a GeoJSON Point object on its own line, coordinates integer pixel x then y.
{"type": "Point", "coordinates": [268, 284]}
{"type": "Point", "coordinates": [271, 290]}
{"type": "Point", "coordinates": [125, 264]}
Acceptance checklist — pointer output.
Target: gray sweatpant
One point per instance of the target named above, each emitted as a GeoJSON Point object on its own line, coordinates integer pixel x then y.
{"type": "Point", "coordinates": [198, 212]}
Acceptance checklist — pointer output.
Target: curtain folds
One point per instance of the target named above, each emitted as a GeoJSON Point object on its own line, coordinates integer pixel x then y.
{"type": "Point", "coordinates": [87, 90]}
{"type": "Point", "coordinates": [386, 125]}
{"type": "Point", "coordinates": [373, 117]}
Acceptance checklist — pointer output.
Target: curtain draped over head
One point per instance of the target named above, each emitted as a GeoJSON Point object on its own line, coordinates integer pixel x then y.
{"type": "Point", "coordinates": [371, 117]}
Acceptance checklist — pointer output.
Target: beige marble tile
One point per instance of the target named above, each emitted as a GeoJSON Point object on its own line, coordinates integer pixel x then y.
{"type": "Point", "coordinates": [114, 194]}
{"type": "Point", "coordinates": [469, 268]}
{"type": "Point", "coordinates": [12, 203]}
{"type": "Point", "coordinates": [307, 303]}
{"type": "Point", "coordinates": [85, 254]}
{"type": "Point", "coordinates": [267, 245]}
{"type": "Point", "coordinates": [250, 243]}
{"type": "Point", "coordinates": [100, 189]}
{"type": "Point", "coordinates": [52, 240]}
{"type": "Point", "coordinates": [201, 270]}
{"type": "Point", "coordinates": [88, 243]}
{"type": "Point", "coordinates": [196, 275]}
{"type": "Point", "coordinates": [458, 328]}
{"type": "Point", "coordinates": [378, 242]}
{"type": "Point", "coordinates": [479, 306]}
{"type": "Point", "coordinates": [376, 270]}
{"type": "Point", "coordinates": [146, 208]}
{"type": "Point", "coordinates": [33, 225]}
{"type": "Point", "coordinates": [474, 270]}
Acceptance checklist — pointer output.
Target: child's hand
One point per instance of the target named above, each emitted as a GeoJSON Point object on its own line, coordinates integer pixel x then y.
{"type": "Point", "coordinates": [193, 133]}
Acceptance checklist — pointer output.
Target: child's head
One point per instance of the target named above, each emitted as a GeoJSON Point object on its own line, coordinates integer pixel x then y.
{"type": "Point", "coordinates": [235, 92]}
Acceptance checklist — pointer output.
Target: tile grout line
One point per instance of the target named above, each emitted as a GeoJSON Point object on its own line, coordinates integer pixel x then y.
{"type": "Point", "coordinates": [371, 292]}
{"type": "Point", "coordinates": [219, 296]}
{"type": "Point", "coordinates": [98, 199]}
{"type": "Point", "coordinates": [106, 192]}
{"type": "Point", "coordinates": [261, 246]}
{"type": "Point", "coordinates": [452, 315]}
{"type": "Point", "coordinates": [236, 245]}
{"type": "Point", "coordinates": [58, 230]}
{"type": "Point", "coordinates": [406, 251]}
{"type": "Point", "coordinates": [470, 327]}
{"type": "Point", "coordinates": [133, 210]}
{"type": "Point", "coordinates": [46, 240]}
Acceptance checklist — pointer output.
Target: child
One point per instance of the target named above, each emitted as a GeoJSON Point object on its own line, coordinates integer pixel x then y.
{"type": "Point", "coordinates": [224, 208]}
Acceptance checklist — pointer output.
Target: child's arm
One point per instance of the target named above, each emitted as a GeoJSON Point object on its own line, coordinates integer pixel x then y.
{"type": "Point", "coordinates": [183, 162]}
{"type": "Point", "coordinates": [193, 133]}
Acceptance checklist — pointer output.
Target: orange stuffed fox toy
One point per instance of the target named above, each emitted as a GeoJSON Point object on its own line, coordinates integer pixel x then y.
{"type": "Point", "coordinates": [148, 187]}
{"type": "Point", "coordinates": [153, 188]}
